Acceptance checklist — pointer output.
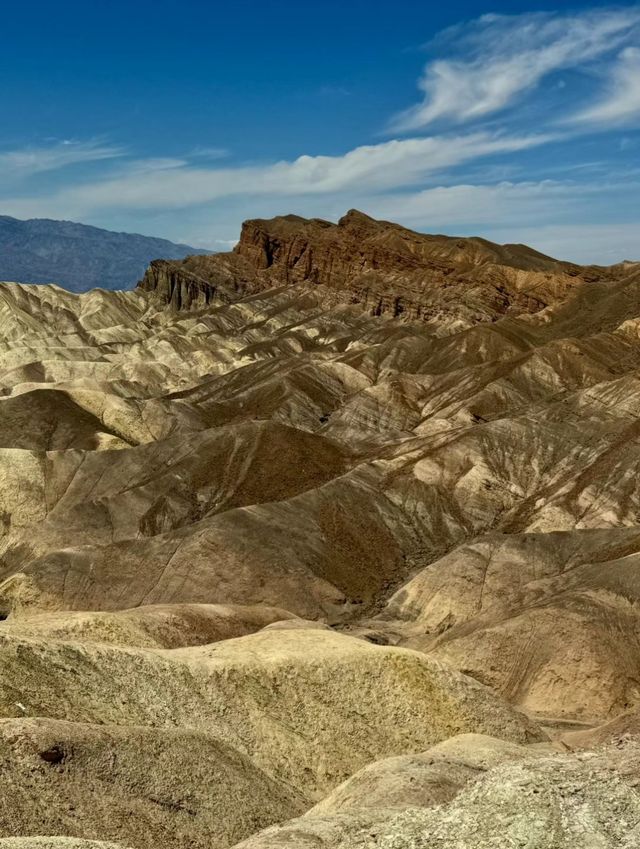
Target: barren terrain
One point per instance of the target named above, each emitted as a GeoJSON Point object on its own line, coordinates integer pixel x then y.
{"type": "Point", "coordinates": [332, 541]}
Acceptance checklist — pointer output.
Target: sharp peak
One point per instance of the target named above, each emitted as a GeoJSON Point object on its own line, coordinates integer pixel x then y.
{"type": "Point", "coordinates": [356, 215]}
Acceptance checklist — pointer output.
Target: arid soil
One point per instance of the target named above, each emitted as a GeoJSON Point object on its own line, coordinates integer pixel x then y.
{"type": "Point", "coordinates": [332, 541]}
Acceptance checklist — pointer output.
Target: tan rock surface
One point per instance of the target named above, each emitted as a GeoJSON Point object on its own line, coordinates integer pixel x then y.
{"type": "Point", "coordinates": [426, 443]}
{"type": "Point", "coordinates": [377, 793]}
{"type": "Point", "coordinates": [308, 707]}
{"type": "Point", "coordinates": [424, 779]}
{"type": "Point", "coordinates": [546, 801]}
{"type": "Point", "coordinates": [558, 802]}
{"type": "Point", "coordinates": [56, 843]}
{"type": "Point", "coordinates": [539, 617]}
{"type": "Point", "coordinates": [621, 729]}
{"type": "Point", "coordinates": [135, 786]}
{"type": "Point", "coordinates": [155, 626]}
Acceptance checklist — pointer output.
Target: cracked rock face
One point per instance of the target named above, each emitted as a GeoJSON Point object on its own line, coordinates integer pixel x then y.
{"type": "Point", "coordinates": [385, 268]}
{"type": "Point", "coordinates": [281, 523]}
{"type": "Point", "coordinates": [588, 800]}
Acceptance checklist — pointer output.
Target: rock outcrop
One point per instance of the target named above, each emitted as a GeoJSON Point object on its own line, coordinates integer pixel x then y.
{"type": "Point", "coordinates": [133, 785]}
{"type": "Point", "coordinates": [385, 268]}
{"type": "Point", "coordinates": [476, 792]}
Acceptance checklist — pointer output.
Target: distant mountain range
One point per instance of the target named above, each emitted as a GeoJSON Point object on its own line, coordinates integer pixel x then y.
{"type": "Point", "coordinates": [77, 256]}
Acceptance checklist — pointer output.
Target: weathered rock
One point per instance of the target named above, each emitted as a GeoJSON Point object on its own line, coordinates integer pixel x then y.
{"type": "Point", "coordinates": [377, 793]}
{"type": "Point", "coordinates": [558, 802]}
{"type": "Point", "coordinates": [135, 786]}
{"type": "Point", "coordinates": [166, 626]}
{"type": "Point", "coordinates": [307, 707]}
{"type": "Point", "coordinates": [382, 266]}
{"type": "Point", "coordinates": [56, 843]}
{"type": "Point", "coordinates": [289, 450]}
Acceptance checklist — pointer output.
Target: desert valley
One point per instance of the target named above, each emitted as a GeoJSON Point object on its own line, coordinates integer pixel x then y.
{"type": "Point", "coordinates": [330, 541]}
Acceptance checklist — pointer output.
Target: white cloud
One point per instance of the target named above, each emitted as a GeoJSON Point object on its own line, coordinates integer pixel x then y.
{"type": "Point", "coordinates": [621, 102]}
{"type": "Point", "coordinates": [597, 244]}
{"type": "Point", "coordinates": [208, 153]}
{"type": "Point", "coordinates": [224, 244]}
{"type": "Point", "coordinates": [485, 205]}
{"type": "Point", "coordinates": [370, 168]}
{"type": "Point", "coordinates": [562, 218]}
{"type": "Point", "coordinates": [506, 56]}
{"type": "Point", "coordinates": [143, 166]}
{"type": "Point", "coordinates": [566, 218]}
{"type": "Point", "coordinates": [35, 160]}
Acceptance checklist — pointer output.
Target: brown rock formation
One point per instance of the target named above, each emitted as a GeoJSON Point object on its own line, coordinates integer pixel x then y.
{"type": "Point", "coordinates": [383, 267]}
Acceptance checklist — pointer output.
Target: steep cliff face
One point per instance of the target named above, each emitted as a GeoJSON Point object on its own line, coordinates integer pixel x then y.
{"type": "Point", "coordinates": [390, 269]}
{"type": "Point", "coordinates": [382, 266]}
{"type": "Point", "coordinates": [176, 286]}
{"type": "Point", "coordinates": [338, 254]}
{"type": "Point", "coordinates": [193, 284]}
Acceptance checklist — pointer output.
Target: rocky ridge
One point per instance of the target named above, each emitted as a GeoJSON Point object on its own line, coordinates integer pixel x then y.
{"type": "Point", "coordinates": [382, 266]}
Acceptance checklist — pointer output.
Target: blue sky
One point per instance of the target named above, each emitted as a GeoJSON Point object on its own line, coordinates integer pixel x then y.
{"type": "Point", "coordinates": [515, 121]}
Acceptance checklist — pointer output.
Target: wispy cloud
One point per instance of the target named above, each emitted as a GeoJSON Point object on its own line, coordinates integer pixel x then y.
{"type": "Point", "coordinates": [621, 101]}
{"type": "Point", "coordinates": [598, 244]}
{"type": "Point", "coordinates": [506, 56]}
{"type": "Point", "coordinates": [34, 160]}
{"type": "Point", "coordinates": [563, 217]}
{"type": "Point", "coordinates": [466, 204]}
{"type": "Point", "coordinates": [368, 168]}
{"type": "Point", "coordinates": [152, 165]}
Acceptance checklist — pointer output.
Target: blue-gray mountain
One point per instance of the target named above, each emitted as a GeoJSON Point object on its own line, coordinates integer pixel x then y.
{"type": "Point", "coordinates": [77, 256]}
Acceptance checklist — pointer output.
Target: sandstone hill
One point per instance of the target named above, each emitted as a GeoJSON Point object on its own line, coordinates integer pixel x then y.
{"type": "Point", "coordinates": [322, 543]}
